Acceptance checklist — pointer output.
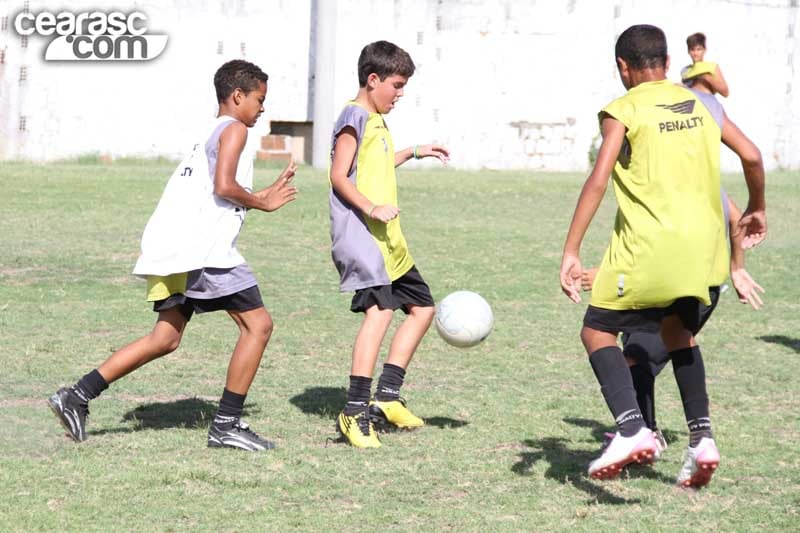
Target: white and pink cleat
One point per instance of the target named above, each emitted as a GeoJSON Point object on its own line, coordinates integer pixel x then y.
{"type": "Point", "coordinates": [640, 448]}
{"type": "Point", "coordinates": [699, 465]}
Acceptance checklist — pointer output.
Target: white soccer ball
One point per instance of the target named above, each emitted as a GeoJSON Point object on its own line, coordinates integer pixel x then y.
{"type": "Point", "coordinates": [464, 319]}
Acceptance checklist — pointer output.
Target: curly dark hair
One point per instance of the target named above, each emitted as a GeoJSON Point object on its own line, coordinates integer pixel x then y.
{"type": "Point", "coordinates": [237, 74]}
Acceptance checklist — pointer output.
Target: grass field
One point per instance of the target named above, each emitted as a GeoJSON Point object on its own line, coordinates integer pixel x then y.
{"type": "Point", "coordinates": [512, 423]}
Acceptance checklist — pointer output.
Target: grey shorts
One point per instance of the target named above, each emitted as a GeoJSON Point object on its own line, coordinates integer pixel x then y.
{"type": "Point", "coordinates": [244, 300]}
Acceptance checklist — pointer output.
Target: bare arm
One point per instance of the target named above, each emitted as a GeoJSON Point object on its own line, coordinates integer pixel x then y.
{"type": "Point", "coordinates": [719, 83]}
{"type": "Point", "coordinates": [715, 82]}
{"type": "Point", "coordinates": [754, 220]}
{"type": "Point", "coordinates": [231, 144]}
{"type": "Point", "coordinates": [745, 286]}
{"type": "Point", "coordinates": [344, 151]}
{"type": "Point", "coordinates": [737, 252]}
{"type": "Point", "coordinates": [589, 200]}
{"type": "Point", "coordinates": [423, 150]}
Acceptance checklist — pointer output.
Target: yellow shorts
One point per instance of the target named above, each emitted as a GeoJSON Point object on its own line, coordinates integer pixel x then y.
{"type": "Point", "coordinates": [162, 287]}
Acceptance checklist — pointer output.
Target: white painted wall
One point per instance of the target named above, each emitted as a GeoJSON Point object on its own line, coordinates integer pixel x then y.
{"type": "Point", "coordinates": [504, 83]}
{"type": "Point", "coordinates": [155, 107]}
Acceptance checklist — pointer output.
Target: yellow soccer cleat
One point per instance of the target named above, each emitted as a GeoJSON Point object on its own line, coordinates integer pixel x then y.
{"type": "Point", "coordinates": [394, 412]}
{"type": "Point", "coordinates": [358, 430]}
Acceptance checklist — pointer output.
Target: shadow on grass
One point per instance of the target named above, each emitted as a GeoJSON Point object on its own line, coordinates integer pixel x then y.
{"type": "Point", "coordinates": [189, 413]}
{"type": "Point", "coordinates": [783, 340]}
{"type": "Point", "coordinates": [326, 402]}
{"type": "Point", "coordinates": [443, 422]}
{"type": "Point", "coordinates": [569, 466]}
{"type": "Point", "coordinates": [566, 466]}
{"type": "Point", "coordinates": [634, 471]}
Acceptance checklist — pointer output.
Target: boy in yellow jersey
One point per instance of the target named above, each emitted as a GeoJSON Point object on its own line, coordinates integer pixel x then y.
{"type": "Point", "coordinates": [368, 247]}
{"type": "Point", "coordinates": [703, 76]}
{"type": "Point", "coordinates": [191, 263]}
{"type": "Point", "coordinates": [645, 352]}
{"type": "Point", "coordinates": [667, 249]}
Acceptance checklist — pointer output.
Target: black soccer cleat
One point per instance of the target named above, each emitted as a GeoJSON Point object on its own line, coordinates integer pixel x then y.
{"type": "Point", "coordinates": [71, 412]}
{"type": "Point", "coordinates": [237, 435]}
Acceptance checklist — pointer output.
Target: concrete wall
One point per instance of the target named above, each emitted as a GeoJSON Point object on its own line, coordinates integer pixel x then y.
{"type": "Point", "coordinates": [504, 83]}
{"type": "Point", "coordinates": [155, 107]}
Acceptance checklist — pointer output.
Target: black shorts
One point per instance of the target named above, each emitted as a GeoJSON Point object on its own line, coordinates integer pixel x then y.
{"type": "Point", "coordinates": [408, 289]}
{"type": "Point", "coordinates": [648, 348]}
{"type": "Point", "coordinates": [692, 312]}
{"type": "Point", "coordinates": [244, 300]}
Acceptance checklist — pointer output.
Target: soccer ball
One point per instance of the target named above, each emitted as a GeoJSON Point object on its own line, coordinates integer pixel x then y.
{"type": "Point", "coordinates": [464, 319]}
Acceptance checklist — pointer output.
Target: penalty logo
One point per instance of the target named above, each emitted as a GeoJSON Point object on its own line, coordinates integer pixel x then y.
{"type": "Point", "coordinates": [93, 36]}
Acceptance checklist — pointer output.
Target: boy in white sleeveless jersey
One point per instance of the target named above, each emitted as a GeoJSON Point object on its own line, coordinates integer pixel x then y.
{"type": "Point", "coordinates": [191, 264]}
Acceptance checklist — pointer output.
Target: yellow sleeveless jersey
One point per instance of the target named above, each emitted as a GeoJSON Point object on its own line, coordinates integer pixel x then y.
{"type": "Point", "coordinates": [669, 234]}
{"type": "Point", "coordinates": [698, 69]}
{"type": "Point", "coordinates": [366, 252]}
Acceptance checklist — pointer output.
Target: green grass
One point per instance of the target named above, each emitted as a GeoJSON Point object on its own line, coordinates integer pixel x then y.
{"type": "Point", "coordinates": [512, 423]}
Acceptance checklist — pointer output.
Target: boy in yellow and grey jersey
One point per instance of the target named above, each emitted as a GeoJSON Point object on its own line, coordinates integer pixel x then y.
{"type": "Point", "coordinates": [368, 246]}
{"type": "Point", "coordinates": [668, 245]}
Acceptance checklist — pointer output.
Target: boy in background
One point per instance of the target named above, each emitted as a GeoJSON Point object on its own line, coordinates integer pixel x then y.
{"type": "Point", "coordinates": [701, 75]}
{"type": "Point", "coordinates": [191, 263]}
{"type": "Point", "coordinates": [668, 246]}
{"type": "Point", "coordinates": [368, 246]}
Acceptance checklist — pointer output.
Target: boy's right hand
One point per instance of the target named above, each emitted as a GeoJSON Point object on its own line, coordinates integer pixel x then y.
{"type": "Point", "coordinates": [754, 225]}
{"type": "Point", "coordinates": [570, 275]}
{"type": "Point", "coordinates": [384, 213]}
{"type": "Point", "coordinates": [288, 172]}
{"type": "Point", "coordinates": [281, 192]}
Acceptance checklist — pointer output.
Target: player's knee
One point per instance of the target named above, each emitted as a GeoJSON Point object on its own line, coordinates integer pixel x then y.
{"type": "Point", "coordinates": [376, 315]}
{"type": "Point", "coordinates": [266, 326]}
{"type": "Point", "coordinates": [423, 313]}
{"type": "Point", "coordinates": [674, 335]}
{"type": "Point", "coordinates": [165, 344]}
{"type": "Point", "coordinates": [586, 338]}
{"type": "Point", "coordinates": [260, 327]}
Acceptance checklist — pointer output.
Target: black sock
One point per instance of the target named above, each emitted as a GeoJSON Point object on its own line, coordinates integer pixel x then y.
{"type": "Point", "coordinates": [389, 383]}
{"type": "Point", "coordinates": [644, 383]}
{"type": "Point", "coordinates": [358, 395]}
{"type": "Point", "coordinates": [90, 386]}
{"type": "Point", "coordinates": [617, 387]}
{"type": "Point", "coordinates": [230, 409]}
{"type": "Point", "coordinates": [690, 374]}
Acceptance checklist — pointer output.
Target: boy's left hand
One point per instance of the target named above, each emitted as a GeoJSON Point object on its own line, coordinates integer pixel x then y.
{"type": "Point", "coordinates": [587, 278]}
{"type": "Point", "coordinates": [570, 275]}
{"type": "Point", "coordinates": [433, 150]}
{"type": "Point", "coordinates": [746, 288]}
